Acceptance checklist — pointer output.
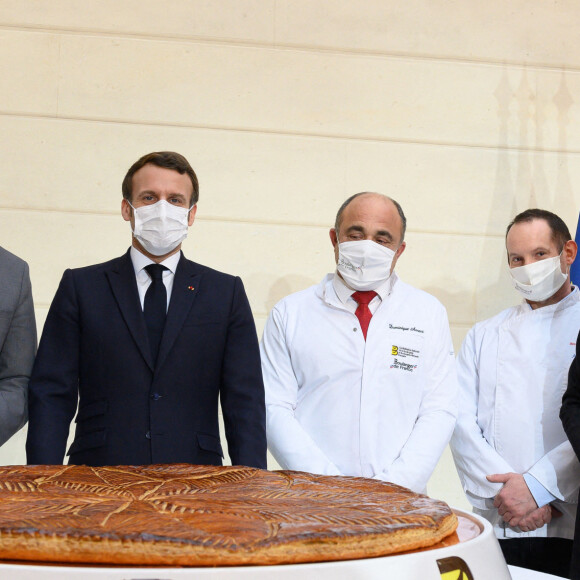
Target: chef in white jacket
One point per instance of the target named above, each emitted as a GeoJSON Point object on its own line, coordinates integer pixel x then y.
{"type": "Point", "coordinates": [517, 467]}
{"type": "Point", "coordinates": [351, 391]}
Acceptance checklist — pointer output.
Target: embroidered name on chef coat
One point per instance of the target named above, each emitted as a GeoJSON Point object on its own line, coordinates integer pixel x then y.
{"type": "Point", "coordinates": [398, 364]}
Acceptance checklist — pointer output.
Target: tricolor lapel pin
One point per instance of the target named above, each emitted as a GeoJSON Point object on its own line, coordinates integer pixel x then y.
{"type": "Point", "coordinates": [190, 288]}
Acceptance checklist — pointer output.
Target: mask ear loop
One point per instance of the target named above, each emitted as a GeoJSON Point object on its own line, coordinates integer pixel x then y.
{"type": "Point", "coordinates": [567, 265]}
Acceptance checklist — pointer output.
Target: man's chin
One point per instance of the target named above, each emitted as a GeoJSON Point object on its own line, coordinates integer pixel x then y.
{"type": "Point", "coordinates": [137, 245]}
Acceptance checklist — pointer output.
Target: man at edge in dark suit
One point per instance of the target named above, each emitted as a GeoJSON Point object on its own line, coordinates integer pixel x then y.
{"type": "Point", "coordinates": [570, 415]}
{"type": "Point", "coordinates": [147, 351]}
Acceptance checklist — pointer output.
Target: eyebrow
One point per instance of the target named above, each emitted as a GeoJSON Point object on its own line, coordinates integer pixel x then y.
{"type": "Point", "coordinates": [538, 249]}
{"type": "Point", "coordinates": [151, 192]}
{"type": "Point", "coordinates": [385, 234]}
{"type": "Point", "coordinates": [382, 233]}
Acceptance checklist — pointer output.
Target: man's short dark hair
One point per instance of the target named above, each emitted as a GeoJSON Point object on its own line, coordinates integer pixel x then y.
{"type": "Point", "coordinates": [338, 219]}
{"type": "Point", "coordinates": [167, 160]}
{"type": "Point", "coordinates": [560, 232]}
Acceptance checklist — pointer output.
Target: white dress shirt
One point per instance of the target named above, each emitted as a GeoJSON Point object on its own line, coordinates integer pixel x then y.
{"type": "Point", "coordinates": [339, 405]}
{"type": "Point", "coordinates": [144, 280]}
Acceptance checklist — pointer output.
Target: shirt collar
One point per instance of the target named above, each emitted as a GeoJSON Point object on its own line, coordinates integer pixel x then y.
{"type": "Point", "coordinates": [141, 260]}
{"type": "Point", "coordinates": [343, 292]}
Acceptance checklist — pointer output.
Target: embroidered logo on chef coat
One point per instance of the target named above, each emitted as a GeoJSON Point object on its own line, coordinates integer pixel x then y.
{"type": "Point", "coordinates": [405, 358]}
{"type": "Point", "coordinates": [404, 352]}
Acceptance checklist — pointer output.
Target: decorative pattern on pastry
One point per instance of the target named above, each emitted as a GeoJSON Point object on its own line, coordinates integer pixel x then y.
{"type": "Point", "coordinates": [192, 515]}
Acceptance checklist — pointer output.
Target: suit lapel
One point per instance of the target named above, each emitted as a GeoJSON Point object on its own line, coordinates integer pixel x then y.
{"type": "Point", "coordinates": [124, 287]}
{"type": "Point", "coordinates": [183, 294]}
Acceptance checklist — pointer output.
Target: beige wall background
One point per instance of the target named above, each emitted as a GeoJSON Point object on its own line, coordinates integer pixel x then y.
{"type": "Point", "coordinates": [465, 112]}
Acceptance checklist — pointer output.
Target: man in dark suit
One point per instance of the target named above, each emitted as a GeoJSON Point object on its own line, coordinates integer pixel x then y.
{"type": "Point", "coordinates": [147, 343]}
{"type": "Point", "coordinates": [570, 415]}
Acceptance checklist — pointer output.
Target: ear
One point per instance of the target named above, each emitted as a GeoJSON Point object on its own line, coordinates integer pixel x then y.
{"type": "Point", "coordinates": [333, 237]}
{"type": "Point", "coordinates": [191, 217]}
{"type": "Point", "coordinates": [126, 210]}
{"type": "Point", "coordinates": [399, 251]}
{"type": "Point", "coordinates": [569, 252]}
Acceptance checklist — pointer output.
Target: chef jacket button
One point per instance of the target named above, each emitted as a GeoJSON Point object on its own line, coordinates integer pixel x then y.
{"type": "Point", "coordinates": [148, 434]}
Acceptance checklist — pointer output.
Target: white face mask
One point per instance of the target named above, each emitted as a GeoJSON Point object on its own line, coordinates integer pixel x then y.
{"type": "Point", "coordinates": [364, 264]}
{"type": "Point", "coordinates": [540, 280]}
{"type": "Point", "coordinates": [160, 227]}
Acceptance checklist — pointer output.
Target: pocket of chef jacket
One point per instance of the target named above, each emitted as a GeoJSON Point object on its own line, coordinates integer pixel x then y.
{"type": "Point", "coordinates": [90, 431]}
{"type": "Point", "coordinates": [406, 351]}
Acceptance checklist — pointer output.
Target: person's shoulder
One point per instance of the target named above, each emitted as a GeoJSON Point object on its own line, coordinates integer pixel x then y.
{"type": "Point", "coordinates": [494, 322]}
{"type": "Point", "coordinates": [206, 271]}
{"type": "Point", "coordinates": [415, 297]}
{"type": "Point", "coordinates": [93, 269]}
{"type": "Point", "coordinates": [299, 298]}
{"type": "Point", "coordinates": [10, 261]}
{"type": "Point", "coordinates": [295, 304]}
{"type": "Point", "coordinates": [203, 269]}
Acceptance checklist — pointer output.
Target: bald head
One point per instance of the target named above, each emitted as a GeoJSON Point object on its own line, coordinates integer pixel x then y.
{"type": "Point", "coordinates": [379, 197]}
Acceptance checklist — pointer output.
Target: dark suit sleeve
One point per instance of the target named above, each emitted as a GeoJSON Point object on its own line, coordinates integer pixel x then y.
{"type": "Point", "coordinates": [570, 412]}
{"type": "Point", "coordinates": [53, 387]}
{"type": "Point", "coordinates": [16, 358]}
{"type": "Point", "coordinates": [242, 388]}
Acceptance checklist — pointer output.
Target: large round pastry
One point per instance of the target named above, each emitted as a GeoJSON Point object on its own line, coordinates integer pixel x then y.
{"type": "Point", "coordinates": [192, 515]}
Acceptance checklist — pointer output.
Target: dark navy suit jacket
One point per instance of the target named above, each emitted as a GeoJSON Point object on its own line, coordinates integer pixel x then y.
{"type": "Point", "coordinates": [570, 415]}
{"type": "Point", "coordinates": [94, 350]}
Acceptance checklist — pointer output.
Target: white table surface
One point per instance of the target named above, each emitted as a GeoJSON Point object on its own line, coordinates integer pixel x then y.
{"type": "Point", "coordinates": [523, 574]}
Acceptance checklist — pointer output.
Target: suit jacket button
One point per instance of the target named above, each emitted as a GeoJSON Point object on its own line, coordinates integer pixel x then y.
{"type": "Point", "coordinates": [148, 434]}
{"type": "Point", "coordinates": [156, 396]}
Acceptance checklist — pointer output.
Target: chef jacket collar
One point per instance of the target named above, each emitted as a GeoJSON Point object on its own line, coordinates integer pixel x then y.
{"type": "Point", "coordinates": [343, 292]}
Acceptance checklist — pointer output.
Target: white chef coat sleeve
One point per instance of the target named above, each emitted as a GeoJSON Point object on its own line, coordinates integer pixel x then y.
{"type": "Point", "coordinates": [474, 456]}
{"type": "Point", "coordinates": [289, 443]}
{"type": "Point", "coordinates": [559, 472]}
{"type": "Point", "coordinates": [436, 417]}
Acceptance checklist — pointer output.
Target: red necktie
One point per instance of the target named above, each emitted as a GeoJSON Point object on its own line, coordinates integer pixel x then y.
{"type": "Point", "coordinates": [363, 312]}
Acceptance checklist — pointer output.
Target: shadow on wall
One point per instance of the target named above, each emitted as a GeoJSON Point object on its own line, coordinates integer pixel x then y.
{"type": "Point", "coordinates": [492, 285]}
{"type": "Point", "coordinates": [520, 181]}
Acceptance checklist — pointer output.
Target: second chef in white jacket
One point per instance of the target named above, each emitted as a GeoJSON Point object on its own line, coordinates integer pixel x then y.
{"type": "Point", "coordinates": [347, 397]}
{"type": "Point", "coordinates": [517, 467]}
